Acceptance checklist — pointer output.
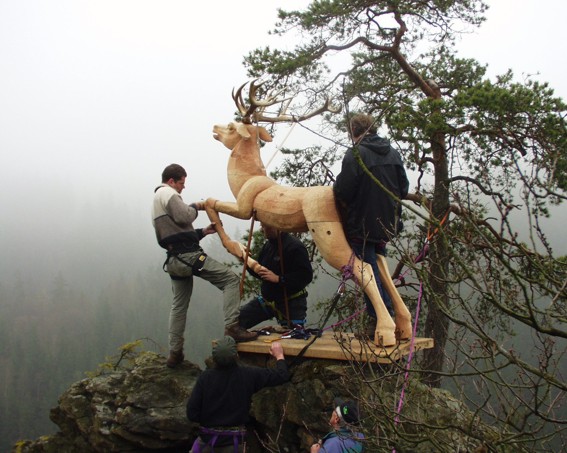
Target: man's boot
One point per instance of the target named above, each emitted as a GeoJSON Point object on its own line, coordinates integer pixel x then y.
{"type": "Point", "coordinates": [240, 334]}
{"type": "Point", "coordinates": [175, 358]}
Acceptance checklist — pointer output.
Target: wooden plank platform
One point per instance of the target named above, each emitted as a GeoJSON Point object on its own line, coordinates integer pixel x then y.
{"type": "Point", "coordinates": [336, 346]}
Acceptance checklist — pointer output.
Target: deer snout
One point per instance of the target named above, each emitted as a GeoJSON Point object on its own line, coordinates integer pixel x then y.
{"type": "Point", "coordinates": [217, 131]}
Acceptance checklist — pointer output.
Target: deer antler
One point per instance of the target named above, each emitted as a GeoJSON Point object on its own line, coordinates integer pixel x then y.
{"type": "Point", "coordinates": [283, 117]}
{"type": "Point", "coordinates": [257, 107]}
{"type": "Point", "coordinates": [244, 111]}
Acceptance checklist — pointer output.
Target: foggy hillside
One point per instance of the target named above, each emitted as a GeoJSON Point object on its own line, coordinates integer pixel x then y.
{"type": "Point", "coordinates": [75, 288]}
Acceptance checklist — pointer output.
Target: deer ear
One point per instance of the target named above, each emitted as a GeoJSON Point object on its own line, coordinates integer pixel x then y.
{"type": "Point", "coordinates": [263, 134]}
{"type": "Point", "coordinates": [242, 131]}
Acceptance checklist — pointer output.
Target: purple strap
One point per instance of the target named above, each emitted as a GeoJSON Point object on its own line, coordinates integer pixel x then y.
{"type": "Point", "coordinates": [196, 448]}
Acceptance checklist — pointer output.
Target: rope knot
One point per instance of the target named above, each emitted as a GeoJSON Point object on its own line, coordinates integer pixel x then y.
{"type": "Point", "coordinates": [347, 272]}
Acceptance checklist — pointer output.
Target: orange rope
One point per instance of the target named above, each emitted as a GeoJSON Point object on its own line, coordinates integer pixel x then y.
{"type": "Point", "coordinates": [443, 220]}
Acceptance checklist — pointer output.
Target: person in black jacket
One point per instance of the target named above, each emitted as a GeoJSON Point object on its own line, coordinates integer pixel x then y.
{"type": "Point", "coordinates": [370, 215]}
{"type": "Point", "coordinates": [277, 285]}
{"type": "Point", "coordinates": [221, 399]}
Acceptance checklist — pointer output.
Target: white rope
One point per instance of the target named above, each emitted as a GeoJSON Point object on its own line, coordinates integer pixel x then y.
{"type": "Point", "coordinates": [280, 145]}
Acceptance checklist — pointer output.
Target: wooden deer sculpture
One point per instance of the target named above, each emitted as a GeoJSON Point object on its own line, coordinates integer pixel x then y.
{"type": "Point", "coordinates": [295, 209]}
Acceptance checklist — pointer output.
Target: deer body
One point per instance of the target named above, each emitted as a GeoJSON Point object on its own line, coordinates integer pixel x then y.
{"type": "Point", "coordinates": [298, 209]}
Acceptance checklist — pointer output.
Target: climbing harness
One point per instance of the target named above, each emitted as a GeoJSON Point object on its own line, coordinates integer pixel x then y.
{"type": "Point", "coordinates": [196, 267]}
{"type": "Point", "coordinates": [238, 434]}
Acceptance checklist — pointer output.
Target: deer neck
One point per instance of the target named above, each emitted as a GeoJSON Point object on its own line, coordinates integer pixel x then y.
{"type": "Point", "coordinates": [244, 163]}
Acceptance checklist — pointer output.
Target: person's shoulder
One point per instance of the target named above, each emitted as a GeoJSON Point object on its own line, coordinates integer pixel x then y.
{"type": "Point", "coordinates": [253, 374]}
{"type": "Point", "coordinates": [208, 372]}
{"type": "Point", "coordinates": [375, 143]}
{"type": "Point", "coordinates": [296, 245]}
{"type": "Point", "coordinates": [349, 154]}
{"type": "Point", "coordinates": [332, 441]}
{"type": "Point", "coordinates": [164, 190]}
{"type": "Point", "coordinates": [291, 238]}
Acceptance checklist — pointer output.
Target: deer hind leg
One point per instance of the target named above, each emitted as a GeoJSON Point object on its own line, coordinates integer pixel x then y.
{"type": "Point", "coordinates": [335, 250]}
{"type": "Point", "coordinates": [385, 333]}
{"type": "Point", "coordinates": [403, 316]}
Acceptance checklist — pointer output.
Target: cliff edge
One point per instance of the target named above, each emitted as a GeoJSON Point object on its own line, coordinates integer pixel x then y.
{"type": "Point", "coordinates": [141, 408]}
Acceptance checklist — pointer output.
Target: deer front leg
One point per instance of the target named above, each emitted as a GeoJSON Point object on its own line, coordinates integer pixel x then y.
{"type": "Point", "coordinates": [233, 247]}
{"type": "Point", "coordinates": [403, 316]}
{"type": "Point", "coordinates": [228, 207]}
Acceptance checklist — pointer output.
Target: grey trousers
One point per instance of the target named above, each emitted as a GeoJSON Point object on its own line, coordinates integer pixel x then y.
{"type": "Point", "coordinates": [182, 286]}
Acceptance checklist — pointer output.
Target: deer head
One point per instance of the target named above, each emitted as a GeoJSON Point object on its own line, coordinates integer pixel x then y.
{"type": "Point", "coordinates": [232, 133]}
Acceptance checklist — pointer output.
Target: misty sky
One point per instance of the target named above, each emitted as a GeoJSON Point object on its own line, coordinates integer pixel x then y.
{"type": "Point", "coordinates": [97, 96]}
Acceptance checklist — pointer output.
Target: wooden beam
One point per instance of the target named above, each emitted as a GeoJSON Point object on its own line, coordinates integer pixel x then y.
{"type": "Point", "coordinates": [336, 346]}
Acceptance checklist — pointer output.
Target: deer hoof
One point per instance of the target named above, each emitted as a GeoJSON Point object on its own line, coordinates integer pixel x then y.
{"type": "Point", "coordinates": [403, 330]}
{"type": "Point", "coordinates": [384, 338]}
{"type": "Point", "coordinates": [402, 336]}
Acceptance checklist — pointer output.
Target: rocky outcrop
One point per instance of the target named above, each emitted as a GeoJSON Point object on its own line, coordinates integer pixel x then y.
{"type": "Point", "coordinates": [142, 409]}
{"type": "Point", "coordinates": [136, 409]}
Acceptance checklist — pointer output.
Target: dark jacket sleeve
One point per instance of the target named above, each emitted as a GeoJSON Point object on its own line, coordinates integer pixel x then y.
{"type": "Point", "coordinates": [298, 272]}
{"type": "Point", "coordinates": [270, 377]}
{"type": "Point", "coordinates": [253, 274]}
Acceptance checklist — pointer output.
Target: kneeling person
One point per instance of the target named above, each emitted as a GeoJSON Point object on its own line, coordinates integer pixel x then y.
{"type": "Point", "coordinates": [297, 274]}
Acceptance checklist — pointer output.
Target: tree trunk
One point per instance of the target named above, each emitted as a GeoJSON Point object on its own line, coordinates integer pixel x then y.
{"type": "Point", "coordinates": [436, 323]}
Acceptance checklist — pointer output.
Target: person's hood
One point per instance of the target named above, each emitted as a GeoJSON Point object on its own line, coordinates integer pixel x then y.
{"type": "Point", "coordinates": [376, 144]}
